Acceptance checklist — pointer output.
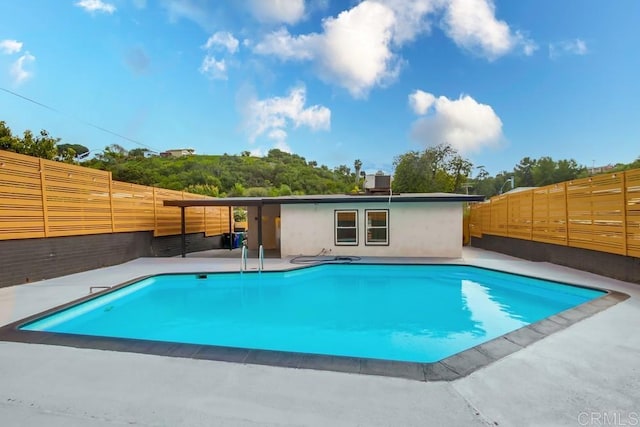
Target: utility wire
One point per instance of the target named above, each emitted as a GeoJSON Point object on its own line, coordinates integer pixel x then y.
{"type": "Point", "coordinates": [40, 104]}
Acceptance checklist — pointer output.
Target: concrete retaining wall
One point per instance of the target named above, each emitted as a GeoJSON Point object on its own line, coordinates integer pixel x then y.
{"type": "Point", "coordinates": [606, 264]}
{"type": "Point", "coordinates": [29, 260]}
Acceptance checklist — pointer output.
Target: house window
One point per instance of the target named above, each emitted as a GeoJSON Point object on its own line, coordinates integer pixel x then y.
{"type": "Point", "coordinates": [346, 223]}
{"type": "Point", "coordinates": [377, 227]}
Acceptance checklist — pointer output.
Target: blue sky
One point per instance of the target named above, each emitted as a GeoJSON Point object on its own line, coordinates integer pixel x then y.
{"type": "Point", "coordinates": [329, 80]}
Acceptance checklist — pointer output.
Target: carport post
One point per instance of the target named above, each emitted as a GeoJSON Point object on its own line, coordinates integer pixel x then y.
{"type": "Point", "coordinates": [184, 232]}
{"type": "Point", "coordinates": [259, 225]}
{"type": "Point", "coordinates": [230, 229]}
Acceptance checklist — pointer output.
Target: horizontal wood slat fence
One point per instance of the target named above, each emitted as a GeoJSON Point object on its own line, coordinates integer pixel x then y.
{"type": "Point", "coordinates": [600, 213]}
{"type": "Point", "coordinates": [44, 198]}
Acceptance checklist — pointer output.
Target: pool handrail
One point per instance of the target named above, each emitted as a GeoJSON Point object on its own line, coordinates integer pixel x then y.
{"type": "Point", "coordinates": [243, 259]}
{"type": "Point", "coordinates": [261, 258]}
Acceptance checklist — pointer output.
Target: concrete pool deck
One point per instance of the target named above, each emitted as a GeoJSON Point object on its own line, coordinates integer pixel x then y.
{"type": "Point", "coordinates": [585, 374]}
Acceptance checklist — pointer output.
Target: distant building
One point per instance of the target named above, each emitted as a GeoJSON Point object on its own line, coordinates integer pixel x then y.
{"type": "Point", "coordinates": [178, 152]}
{"type": "Point", "coordinates": [600, 169]}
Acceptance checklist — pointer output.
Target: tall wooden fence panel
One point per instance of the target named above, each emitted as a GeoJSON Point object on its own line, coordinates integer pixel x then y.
{"type": "Point", "coordinates": [600, 213]}
{"type": "Point", "coordinates": [520, 214]}
{"type": "Point", "coordinates": [485, 216]}
{"type": "Point", "coordinates": [595, 213]}
{"type": "Point", "coordinates": [550, 214]}
{"type": "Point", "coordinates": [475, 220]}
{"type": "Point", "coordinates": [133, 207]}
{"type": "Point", "coordinates": [194, 215]}
{"type": "Point", "coordinates": [42, 198]}
{"type": "Point", "coordinates": [77, 200]}
{"type": "Point", "coordinates": [217, 220]}
{"type": "Point", "coordinates": [499, 216]}
{"type": "Point", "coordinates": [632, 195]}
{"type": "Point", "coordinates": [167, 217]}
{"type": "Point", "coordinates": [21, 210]}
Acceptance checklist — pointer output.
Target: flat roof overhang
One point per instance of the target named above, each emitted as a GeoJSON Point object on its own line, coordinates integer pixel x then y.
{"type": "Point", "coordinates": [289, 200]}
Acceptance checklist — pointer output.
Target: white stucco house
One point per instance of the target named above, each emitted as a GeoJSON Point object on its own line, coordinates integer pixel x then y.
{"type": "Point", "coordinates": [398, 225]}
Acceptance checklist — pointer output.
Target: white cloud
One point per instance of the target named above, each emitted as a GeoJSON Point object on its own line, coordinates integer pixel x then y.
{"type": "Point", "coordinates": [464, 123]}
{"type": "Point", "coordinates": [19, 70]}
{"type": "Point", "coordinates": [353, 51]}
{"type": "Point", "coordinates": [273, 116]}
{"type": "Point", "coordinates": [217, 68]}
{"type": "Point", "coordinates": [287, 47]}
{"type": "Point", "coordinates": [421, 101]}
{"type": "Point", "coordinates": [568, 47]}
{"type": "Point", "coordinates": [412, 17]}
{"type": "Point", "coordinates": [356, 49]}
{"type": "Point", "coordinates": [213, 68]}
{"type": "Point", "coordinates": [277, 11]}
{"type": "Point", "coordinates": [96, 6]}
{"type": "Point", "coordinates": [10, 46]}
{"type": "Point", "coordinates": [472, 25]}
{"type": "Point", "coordinates": [222, 39]}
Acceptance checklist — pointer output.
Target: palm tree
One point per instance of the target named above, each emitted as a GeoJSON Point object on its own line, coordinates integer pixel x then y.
{"type": "Point", "coordinates": [357, 165]}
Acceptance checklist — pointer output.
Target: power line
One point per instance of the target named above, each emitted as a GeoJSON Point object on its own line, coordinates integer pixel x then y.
{"type": "Point", "coordinates": [40, 104]}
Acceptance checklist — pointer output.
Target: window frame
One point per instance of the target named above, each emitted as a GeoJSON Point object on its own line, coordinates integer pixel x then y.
{"type": "Point", "coordinates": [367, 227]}
{"type": "Point", "coordinates": [335, 227]}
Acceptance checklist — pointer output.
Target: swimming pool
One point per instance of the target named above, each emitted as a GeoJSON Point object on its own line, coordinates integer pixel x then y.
{"type": "Point", "coordinates": [413, 314]}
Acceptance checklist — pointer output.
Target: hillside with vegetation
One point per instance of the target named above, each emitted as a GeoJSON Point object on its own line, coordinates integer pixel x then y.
{"type": "Point", "coordinates": [438, 168]}
{"type": "Point", "coordinates": [276, 174]}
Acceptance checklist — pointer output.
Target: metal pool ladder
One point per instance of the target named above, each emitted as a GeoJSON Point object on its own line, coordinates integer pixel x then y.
{"type": "Point", "coordinates": [243, 260]}
{"type": "Point", "coordinates": [244, 256]}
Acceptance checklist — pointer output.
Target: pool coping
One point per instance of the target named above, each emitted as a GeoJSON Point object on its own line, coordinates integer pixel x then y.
{"type": "Point", "coordinates": [451, 368]}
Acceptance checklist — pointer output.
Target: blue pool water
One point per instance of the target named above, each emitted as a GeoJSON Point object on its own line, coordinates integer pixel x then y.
{"type": "Point", "coordinates": [412, 313]}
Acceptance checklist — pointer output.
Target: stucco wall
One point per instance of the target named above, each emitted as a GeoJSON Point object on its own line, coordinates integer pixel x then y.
{"type": "Point", "coordinates": [429, 229]}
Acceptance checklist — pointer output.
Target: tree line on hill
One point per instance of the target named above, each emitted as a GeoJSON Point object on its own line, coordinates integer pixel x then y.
{"type": "Point", "coordinates": [438, 168]}
{"type": "Point", "coordinates": [41, 145]}
{"type": "Point", "coordinates": [276, 174]}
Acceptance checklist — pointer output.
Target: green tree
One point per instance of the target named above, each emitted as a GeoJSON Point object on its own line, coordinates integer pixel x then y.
{"type": "Point", "coordinates": [284, 190]}
{"type": "Point", "coordinates": [483, 183]}
{"type": "Point", "coordinates": [74, 151]}
{"type": "Point", "coordinates": [256, 192]}
{"type": "Point", "coordinates": [41, 145]}
{"type": "Point", "coordinates": [138, 153]}
{"type": "Point", "coordinates": [238, 190]}
{"type": "Point", "coordinates": [567, 170]}
{"type": "Point", "coordinates": [204, 189]}
{"type": "Point", "coordinates": [544, 171]}
{"type": "Point", "coordinates": [410, 173]}
{"type": "Point", "coordinates": [437, 169]}
{"type": "Point", "coordinates": [523, 172]}
{"type": "Point", "coordinates": [8, 142]}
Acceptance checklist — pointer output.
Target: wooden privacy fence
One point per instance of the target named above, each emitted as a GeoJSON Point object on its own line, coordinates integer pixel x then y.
{"type": "Point", "coordinates": [43, 198]}
{"type": "Point", "coordinates": [600, 213]}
